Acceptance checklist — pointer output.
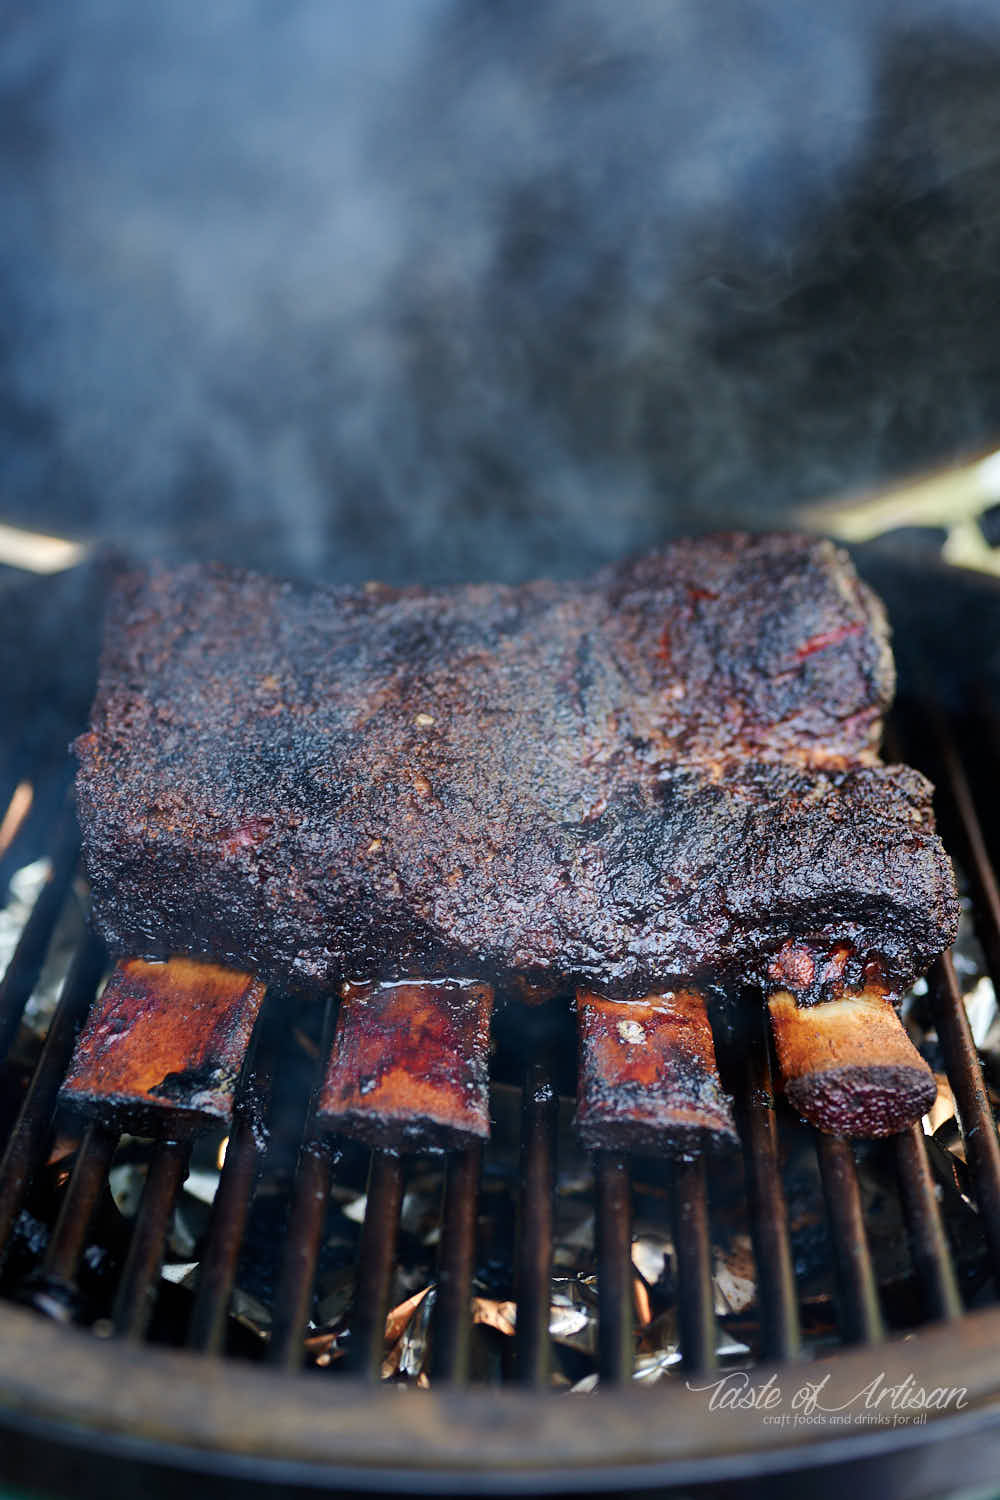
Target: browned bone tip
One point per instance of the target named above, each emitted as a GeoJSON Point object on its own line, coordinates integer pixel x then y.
{"type": "Point", "coordinates": [163, 1046]}
{"type": "Point", "coordinates": [409, 1066]}
{"type": "Point", "coordinates": [848, 1065]}
{"type": "Point", "coordinates": [648, 1076]}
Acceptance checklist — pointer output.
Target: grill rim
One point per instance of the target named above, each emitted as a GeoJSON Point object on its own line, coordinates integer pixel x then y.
{"type": "Point", "coordinates": [826, 1468]}
{"type": "Point", "coordinates": [168, 1403]}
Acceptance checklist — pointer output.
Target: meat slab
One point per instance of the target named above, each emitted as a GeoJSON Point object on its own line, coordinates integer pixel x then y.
{"type": "Point", "coordinates": [661, 774]}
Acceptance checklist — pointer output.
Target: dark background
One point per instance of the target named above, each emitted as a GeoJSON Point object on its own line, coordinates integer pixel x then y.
{"type": "Point", "coordinates": [432, 289]}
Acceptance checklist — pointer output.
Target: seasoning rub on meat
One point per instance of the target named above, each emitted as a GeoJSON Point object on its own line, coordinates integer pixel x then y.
{"type": "Point", "coordinates": [663, 777]}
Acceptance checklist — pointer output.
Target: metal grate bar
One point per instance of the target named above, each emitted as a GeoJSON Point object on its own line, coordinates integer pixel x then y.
{"type": "Point", "coordinates": [692, 1244]}
{"type": "Point", "coordinates": [83, 1193]}
{"type": "Point", "coordinates": [860, 1313]}
{"type": "Point", "coordinates": [293, 1298]}
{"type": "Point", "coordinates": [27, 1142]}
{"type": "Point", "coordinates": [615, 1339]}
{"type": "Point", "coordinates": [758, 1128]}
{"type": "Point", "coordinates": [452, 1326]}
{"type": "Point", "coordinates": [982, 1148]}
{"type": "Point", "coordinates": [972, 851]}
{"type": "Point", "coordinates": [217, 1272]}
{"type": "Point", "coordinates": [533, 1266]}
{"type": "Point", "coordinates": [140, 1276]}
{"type": "Point", "coordinates": [928, 1245]}
{"type": "Point", "coordinates": [376, 1262]}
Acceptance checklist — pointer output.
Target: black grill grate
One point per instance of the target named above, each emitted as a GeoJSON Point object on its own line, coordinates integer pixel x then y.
{"type": "Point", "coordinates": [938, 748]}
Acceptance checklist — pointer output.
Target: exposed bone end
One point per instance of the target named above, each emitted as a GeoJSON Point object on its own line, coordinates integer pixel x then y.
{"type": "Point", "coordinates": [848, 1065]}
{"type": "Point", "coordinates": [648, 1076]}
{"type": "Point", "coordinates": [163, 1046]}
{"type": "Point", "coordinates": [409, 1066]}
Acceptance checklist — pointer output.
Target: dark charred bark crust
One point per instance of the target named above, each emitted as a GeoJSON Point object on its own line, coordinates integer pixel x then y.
{"type": "Point", "coordinates": [657, 775]}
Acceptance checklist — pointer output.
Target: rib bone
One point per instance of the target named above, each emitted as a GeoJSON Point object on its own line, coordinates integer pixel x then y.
{"type": "Point", "coordinates": [409, 1065]}
{"type": "Point", "coordinates": [163, 1047]}
{"type": "Point", "coordinates": [848, 1065]}
{"type": "Point", "coordinates": [648, 1077]}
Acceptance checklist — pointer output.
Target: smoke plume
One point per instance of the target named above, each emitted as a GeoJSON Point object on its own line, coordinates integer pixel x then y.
{"type": "Point", "coordinates": [442, 288]}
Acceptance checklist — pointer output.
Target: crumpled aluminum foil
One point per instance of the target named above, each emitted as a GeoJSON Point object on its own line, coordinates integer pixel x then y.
{"type": "Point", "coordinates": [22, 893]}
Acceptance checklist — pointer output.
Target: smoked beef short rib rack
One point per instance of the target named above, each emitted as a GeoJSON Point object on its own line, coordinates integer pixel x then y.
{"type": "Point", "coordinates": [632, 786]}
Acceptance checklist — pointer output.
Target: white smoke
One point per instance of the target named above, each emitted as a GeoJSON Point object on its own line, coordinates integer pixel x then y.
{"type": "Point", "coordinates": [442, 287]}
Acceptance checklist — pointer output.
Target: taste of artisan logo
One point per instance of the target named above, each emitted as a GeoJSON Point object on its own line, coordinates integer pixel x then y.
{"type": "Point", "coordinates": [811, 1402]}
